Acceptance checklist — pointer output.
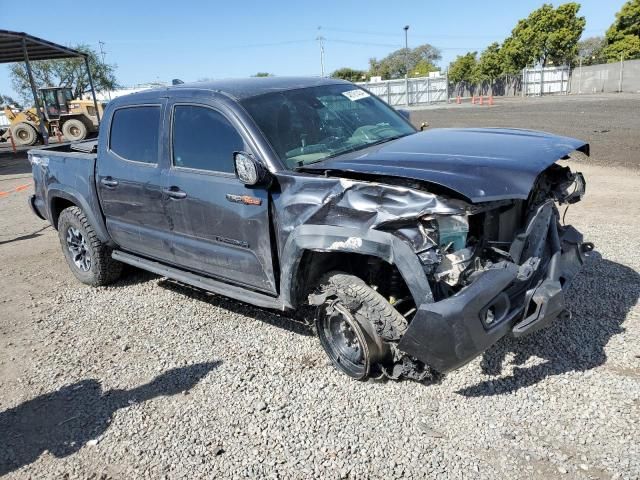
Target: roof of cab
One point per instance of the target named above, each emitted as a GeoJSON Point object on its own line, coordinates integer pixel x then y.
{"type": "Point", "coordinates": [241, 88]}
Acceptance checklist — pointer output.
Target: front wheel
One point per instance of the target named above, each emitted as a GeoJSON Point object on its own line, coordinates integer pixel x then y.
{"type": "Point", "coordinates": [355, 325]}
{"type": "Point", "coordinates": [74, 130]}
{"type": "Point", "coordinates": [88, 258]}
{"type": "Point", "coordinates": [24, 134]}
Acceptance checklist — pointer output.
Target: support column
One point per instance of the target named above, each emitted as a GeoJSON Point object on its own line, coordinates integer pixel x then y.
{"type": "Point", "coordinates": [34, 91]}
{"type": "Point", "coordinates": [93, 90]}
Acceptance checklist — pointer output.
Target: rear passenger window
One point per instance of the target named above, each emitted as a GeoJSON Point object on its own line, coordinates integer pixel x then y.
{"type": "Point", "coordinates": [134, 133]}
{"type": "Point", "coordinates": [204, 139]}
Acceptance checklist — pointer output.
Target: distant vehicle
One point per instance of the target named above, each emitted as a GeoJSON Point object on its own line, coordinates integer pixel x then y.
{"type": "Point", "coordinates": [74, 118]}
{"type": "Point", "coordinates": [411, 252]}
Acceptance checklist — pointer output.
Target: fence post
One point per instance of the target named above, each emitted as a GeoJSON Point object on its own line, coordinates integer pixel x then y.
{"type": "Point", "coordinates": [524, 82]}
{"type": "Point", "coordinates": [389, 93]}
{"type": "Point", "coordinates": [621, 68]}
{"type": "Point", "coordinates": [541, 80]}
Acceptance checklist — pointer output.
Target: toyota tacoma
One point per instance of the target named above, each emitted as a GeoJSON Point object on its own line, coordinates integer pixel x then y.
{"type": "Point", "coordinates": [410, 252]}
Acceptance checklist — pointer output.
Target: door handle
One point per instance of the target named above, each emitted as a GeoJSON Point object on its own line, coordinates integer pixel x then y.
{"type": "Point", "coordinates": [175, 192]}
{"type": "Point", "coordinates": [109, 182]}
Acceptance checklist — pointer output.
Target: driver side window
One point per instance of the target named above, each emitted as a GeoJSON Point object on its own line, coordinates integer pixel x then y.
{"type": "Point", "coordinates": [203, 139]}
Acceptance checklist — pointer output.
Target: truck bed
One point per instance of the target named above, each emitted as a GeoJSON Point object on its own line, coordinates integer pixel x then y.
{"type": "Point", "coordinates": [68, 171]}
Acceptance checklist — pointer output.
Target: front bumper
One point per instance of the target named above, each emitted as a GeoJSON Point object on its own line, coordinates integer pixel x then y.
{"type": "Point", "coordinates": [447, 334]}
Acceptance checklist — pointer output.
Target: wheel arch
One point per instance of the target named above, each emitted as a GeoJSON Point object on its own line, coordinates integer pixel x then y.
{"type": "Point", "coordinates": [60, 199]}
{"type": "Point", "coordinates": [312, 250]}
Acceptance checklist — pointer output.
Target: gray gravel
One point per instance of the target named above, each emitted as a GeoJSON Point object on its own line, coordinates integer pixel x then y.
{"type": "Point", "coordinates": [149, 379]}
{"type": "Point", "coordinates": [240, 392]}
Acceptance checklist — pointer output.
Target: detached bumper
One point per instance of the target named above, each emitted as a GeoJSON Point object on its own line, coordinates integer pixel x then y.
{"type": "Point", "coordinates": [447, 334]}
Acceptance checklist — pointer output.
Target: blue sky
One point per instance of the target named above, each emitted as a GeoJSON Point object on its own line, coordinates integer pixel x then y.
{"type": "Point", "coordinates": [191, 40]}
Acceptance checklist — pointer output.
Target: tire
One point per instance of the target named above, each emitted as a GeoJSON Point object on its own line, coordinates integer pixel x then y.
{"type": "Point", "coordinates": [74, 130]}
{"type": "Point", "coordinates": [24, 134]}
{"type": "Point", "coordinates": [355, 325]}
{"type": "Point", "coordinates": [88, 258]}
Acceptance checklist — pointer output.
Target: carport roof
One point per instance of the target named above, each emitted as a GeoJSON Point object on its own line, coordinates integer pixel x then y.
{"type": "Point", "coordinates": [38, 49]}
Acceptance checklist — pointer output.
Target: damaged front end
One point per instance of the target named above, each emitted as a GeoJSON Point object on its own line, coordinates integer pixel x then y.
{"type": "Point", "coordinates": [500, 267]}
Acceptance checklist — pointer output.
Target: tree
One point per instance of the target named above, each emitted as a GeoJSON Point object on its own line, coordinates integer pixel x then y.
{"type": "Point", "coordinates": [66, 72]}
{"type": "Point", "coordinates": [464, 68]}
{"type": "Point", "coordinates": [491, 63]}
{"type": "Point", "coordinates": [395, 64]}
{"type": "Point", "coordinates": [350, 74]}
{"type": "Point", "coordinates": [422, 69]}
{"type": "Point", "coordinates": [262, 74]}
{"type": "Point", "coordinates": [590, 50]}
{"type": "Point", "coordinates": [623, 36]}
{"type": "Point", "coordinates": [6, 100]}
{"type": "Point", "coordinates": [547, 35]}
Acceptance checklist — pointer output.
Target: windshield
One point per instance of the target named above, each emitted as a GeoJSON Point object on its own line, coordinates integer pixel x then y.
{"type": "Point", "coordinates": [310, 124]}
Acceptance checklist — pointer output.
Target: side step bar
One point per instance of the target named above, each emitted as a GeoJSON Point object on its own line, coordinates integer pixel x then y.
{"type": "Point", "coordinates": [199, 281]}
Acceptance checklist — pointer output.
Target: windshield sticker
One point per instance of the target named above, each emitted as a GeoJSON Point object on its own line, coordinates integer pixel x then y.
{"type": "Point", "coordinates": [356, 94]}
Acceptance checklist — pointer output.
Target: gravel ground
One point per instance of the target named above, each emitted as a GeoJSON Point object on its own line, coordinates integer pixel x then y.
{"type": "Point", "coordinates": [151, 379]}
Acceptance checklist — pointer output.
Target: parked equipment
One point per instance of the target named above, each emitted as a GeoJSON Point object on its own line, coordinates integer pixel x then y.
{"type": "Point", "coordinates": [75, 118]}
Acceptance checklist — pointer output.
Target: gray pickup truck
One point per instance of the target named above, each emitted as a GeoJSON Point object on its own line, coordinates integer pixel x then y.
{"type": "Point", "coordinates": [411, 252]}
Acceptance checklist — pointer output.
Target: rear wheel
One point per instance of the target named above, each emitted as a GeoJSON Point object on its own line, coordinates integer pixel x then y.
{"type": "Point", "coordinates": [88, 258]}
{"type": "Point", "coordinates": [74, 130]}
{"type": "Point", "coordinates": [24, 134]}
{"type": "Point", "coordinates": [355, 324]}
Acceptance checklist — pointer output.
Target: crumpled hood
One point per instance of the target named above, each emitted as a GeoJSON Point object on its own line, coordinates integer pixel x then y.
{"type": "Point", "coordinates": [481, 164]}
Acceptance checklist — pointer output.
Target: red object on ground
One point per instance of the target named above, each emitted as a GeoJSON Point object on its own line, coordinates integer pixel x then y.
{"type": "Point", "coordinates": [490, 99]}
{"type": "Point", "coordinates": [481, 100]}
{"type": "Point", "coordinates": [458, 101]}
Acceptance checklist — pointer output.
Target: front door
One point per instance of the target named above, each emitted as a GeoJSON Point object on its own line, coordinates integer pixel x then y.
{"type": "Point", "coordinates": [130, 182]}
{"type": "Point", "coordinates": [219, 227]}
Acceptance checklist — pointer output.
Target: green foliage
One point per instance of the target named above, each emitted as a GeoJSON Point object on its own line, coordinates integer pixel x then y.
{"type": "Point", "coordinates": [464, 68]}
{"type": "Point", "coordinates": [491, 63]}
{"type": "Point", "coordinates": [547, 35]}
{"type": "Point", "coordinates": [395, 64]}
{"type": "Point", "coordinates": [350, 74]}
{"type": "Point", "coordinates": [590, 50]}
{"type": "Point", "coordinates": [422, 69]}
{"type": "Point", "coordinates": [623, 36]}
{"type": "Point", "coordinates": [262, 74]}
{"type": "Point", "coordinates": [66, 72]}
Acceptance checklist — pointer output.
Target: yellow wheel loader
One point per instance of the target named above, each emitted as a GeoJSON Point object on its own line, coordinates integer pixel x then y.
{"type": "Point", "coordinates": [74, 118]}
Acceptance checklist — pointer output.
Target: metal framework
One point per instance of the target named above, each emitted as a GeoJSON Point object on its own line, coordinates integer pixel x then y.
{"type": "Point", "coordinates": [22, 47]}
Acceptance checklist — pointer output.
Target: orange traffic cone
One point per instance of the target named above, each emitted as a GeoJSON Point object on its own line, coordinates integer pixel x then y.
{"type": "Point", "coordinates": [481, 100]}
{"type": "Point", "coordinates": [458, 101]}
{"type": "Point", "coordinates": [490, 99]}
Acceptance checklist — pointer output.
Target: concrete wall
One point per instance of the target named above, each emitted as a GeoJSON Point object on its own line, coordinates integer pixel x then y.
{"type": "Point", "coordinates": [606, 78]}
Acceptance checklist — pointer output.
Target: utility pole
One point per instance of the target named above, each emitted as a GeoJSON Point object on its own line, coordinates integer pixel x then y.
{"type": "Point", "coordinates": [321, 40]}
{"type": "Point", "coordinates": [406, 64]}
{"type": "Point", "coordinates": [102, 54]}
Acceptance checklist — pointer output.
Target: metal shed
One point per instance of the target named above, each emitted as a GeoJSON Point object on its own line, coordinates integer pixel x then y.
{"type": "Point", "coordinates": [22, 47]}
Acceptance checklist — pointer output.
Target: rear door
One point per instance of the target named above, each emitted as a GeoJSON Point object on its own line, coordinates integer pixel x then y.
{"type": "Point", "coordinates": [130, 181]}
{"type": "Point", "coordinates": [220, 227]}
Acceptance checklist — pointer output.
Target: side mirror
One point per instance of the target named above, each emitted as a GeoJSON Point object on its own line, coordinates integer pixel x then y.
{"type": "Point", "coordinates": [423, 126]}
{"type": "Point", "coordinates": [248, 170]}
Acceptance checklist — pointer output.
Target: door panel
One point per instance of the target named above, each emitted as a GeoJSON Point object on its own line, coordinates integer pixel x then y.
{"type": "Point", "coordinates": [218, 236]}
{"type": "Point", "coordinates": [214, 232]}
{"type": "Point", "coordinates": [130, 181]}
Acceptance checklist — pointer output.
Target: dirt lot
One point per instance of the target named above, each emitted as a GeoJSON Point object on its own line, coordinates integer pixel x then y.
{"type": "Point", "coordinates": [148, 379]}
